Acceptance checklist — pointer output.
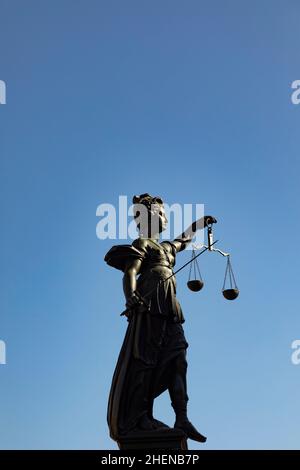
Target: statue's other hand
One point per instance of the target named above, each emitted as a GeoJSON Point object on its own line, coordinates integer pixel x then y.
{"type": "Point", "coordinates": [133, 301]}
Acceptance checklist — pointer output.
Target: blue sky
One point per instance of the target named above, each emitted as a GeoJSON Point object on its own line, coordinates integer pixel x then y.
{"type": "Point", "coordinates": [188, 100]}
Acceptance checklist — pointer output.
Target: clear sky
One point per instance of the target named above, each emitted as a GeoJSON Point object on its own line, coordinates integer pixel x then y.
{"type": "Point", "coordinates": [189, 100]}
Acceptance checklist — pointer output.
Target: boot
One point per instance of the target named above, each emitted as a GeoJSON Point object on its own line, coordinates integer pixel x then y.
{"type": "Point", "coordinates": [182, 422]}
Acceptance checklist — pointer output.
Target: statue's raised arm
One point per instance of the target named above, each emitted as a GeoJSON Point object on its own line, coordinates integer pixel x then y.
{"type": "Point", "coordinates": [182, 241]}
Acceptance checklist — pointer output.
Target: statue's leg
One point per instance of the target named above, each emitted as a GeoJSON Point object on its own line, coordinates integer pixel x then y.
{"type": "Point", "coordinates": [178, 386]}
{"type": "Point", "coordinates": [179, 397]}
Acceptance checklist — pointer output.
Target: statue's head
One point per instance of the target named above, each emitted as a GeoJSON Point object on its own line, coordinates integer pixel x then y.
{"type": "Point", "coordinates": [149, 214]}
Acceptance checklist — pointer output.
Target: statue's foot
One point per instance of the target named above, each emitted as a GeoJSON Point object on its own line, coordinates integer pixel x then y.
{"type": "Point", "coordinates": [159, 424]}
{"type": "Point", "coordinates": [145, 424]}
{"type": "Point", "coordinates": [190, 430]}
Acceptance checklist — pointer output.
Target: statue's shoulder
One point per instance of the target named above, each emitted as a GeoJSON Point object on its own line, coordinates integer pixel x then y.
{"type": "Point", "coordinates": [148, 246]}
{"type": "Point", "coordinates": [169, 246]}
{"type": "Point", "coordinates": [119, 255]}
{"type": "Point", "coordinates": [142, 244]}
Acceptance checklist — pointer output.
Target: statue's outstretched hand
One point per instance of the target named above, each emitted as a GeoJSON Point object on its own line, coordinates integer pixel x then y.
{"type": "Point", "coordinates": [209, 219]}
{"type": "Point", "coordinates": [201, 223]}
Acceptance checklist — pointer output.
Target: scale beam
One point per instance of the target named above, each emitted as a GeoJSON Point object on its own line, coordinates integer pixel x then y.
{"type": "Point", "coordinates": [198, 247]}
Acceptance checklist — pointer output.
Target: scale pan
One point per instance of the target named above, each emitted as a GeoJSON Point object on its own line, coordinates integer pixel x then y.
{"type": "Point", "coordinates": [195, 285]}
{"type": "Point", "coordinates": [231, 294]}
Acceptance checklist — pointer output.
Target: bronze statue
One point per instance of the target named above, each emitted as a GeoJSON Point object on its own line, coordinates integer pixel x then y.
{"type": "Point", "coordinates": [153, 355]}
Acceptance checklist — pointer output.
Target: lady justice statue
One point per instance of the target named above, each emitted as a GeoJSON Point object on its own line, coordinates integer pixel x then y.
{"type": "Point", "coordinates": [153, 355]}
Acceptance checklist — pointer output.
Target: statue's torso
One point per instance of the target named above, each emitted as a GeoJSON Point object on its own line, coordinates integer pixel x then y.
{"type": "Point", "coordinates": [158, 257]}
{"type": "Point", "coordinates": [156, 277]}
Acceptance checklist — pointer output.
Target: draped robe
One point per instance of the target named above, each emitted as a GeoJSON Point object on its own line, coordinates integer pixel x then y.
{"type": "Point", "coordinates": [153, 340]}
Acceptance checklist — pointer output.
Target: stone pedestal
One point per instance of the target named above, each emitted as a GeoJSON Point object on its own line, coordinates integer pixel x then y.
{"type": "Point", "coordinates": [162, 439]}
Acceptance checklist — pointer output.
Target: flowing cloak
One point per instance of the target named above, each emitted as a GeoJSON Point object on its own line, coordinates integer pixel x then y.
{"type": "Point", "coordinates": [152, 339]}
